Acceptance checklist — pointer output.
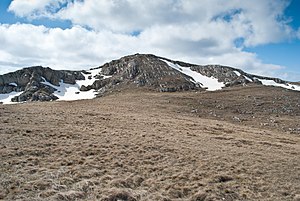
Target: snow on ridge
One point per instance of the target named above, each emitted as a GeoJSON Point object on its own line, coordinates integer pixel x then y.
{"type": "Point", "coordinates": [237, 73]}
{"type": "Point", "coordinates": [247, 78]}
{"type": "Point", "coordinates": [275, 84]}
{"type": "Point", "coordinates": [211, 83]}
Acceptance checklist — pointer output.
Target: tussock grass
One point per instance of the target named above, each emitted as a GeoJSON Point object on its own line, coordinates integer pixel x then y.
{"type": "Point", "coordinates": [149, 146]}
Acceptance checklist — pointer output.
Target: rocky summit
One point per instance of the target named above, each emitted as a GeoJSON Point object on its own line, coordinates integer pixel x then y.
{"type": "Point", "coordinates": [139, 70]}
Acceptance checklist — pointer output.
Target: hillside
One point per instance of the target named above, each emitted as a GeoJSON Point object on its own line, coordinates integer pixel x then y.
{"type": "Point", "coordinates": [159, 130]}
{"type": "Point", "coordinates": [241, 143]}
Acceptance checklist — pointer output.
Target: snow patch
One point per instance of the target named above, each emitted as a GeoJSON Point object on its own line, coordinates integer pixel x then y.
{"type": "Point", "coordinates": [237, 73]}
{"type": "Point", "coordinates": [70, 92]}
{"type": "Point", "coordinates": [6, 98]}
{"type": "Point", "coordinates": [275, 84]}
{"type": "Point", "coordinates": [247, 78]}
{"type": "Point", "coordinates": [91, 74]}
{"type": "Point", "coordinates": [210, 83]}
{"type": "Point", "coordinates": [13, 84]}
{"type": "Point", "coordinates": [90, 77]}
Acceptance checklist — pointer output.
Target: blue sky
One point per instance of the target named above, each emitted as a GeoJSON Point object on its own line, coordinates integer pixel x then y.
{"type": "Point", "coordinates": [261, 37]}
{"type": "Point", "coordinates": [284, 53]}
{"type": "Point", "coordinates": [7, 17]}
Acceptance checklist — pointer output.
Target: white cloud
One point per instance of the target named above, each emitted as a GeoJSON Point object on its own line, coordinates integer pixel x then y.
{"type": "Point", "coordinates": [79, 48]}
{"type": "Point", "coordinates": [257, 21]}
{"type": "Point", "coordinates": [196, 31]}
{"type": "Point", "coordinates": [35, 8]}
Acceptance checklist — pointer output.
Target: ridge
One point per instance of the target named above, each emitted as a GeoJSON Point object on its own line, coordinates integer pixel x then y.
{"type": "Point", "coordinates": [39, 83]}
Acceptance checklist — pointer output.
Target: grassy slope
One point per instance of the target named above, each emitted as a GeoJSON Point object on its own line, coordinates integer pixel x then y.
{"type": "Point", "coordinates": [153, 146]}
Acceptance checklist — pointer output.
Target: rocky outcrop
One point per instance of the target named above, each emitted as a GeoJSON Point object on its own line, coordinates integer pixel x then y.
{"type": "Point", "coordinates": [151, 71]}
{"type": "Point", "coordinates": [139, 70]}
{"type": "Point", "coordinates": [30, 81]}
{"type": "Point", "coordinates": [142, 70]}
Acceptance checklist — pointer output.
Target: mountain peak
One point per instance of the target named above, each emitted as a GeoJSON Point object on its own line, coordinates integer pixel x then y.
{"type": "Point", "coordinates": [140, 70]}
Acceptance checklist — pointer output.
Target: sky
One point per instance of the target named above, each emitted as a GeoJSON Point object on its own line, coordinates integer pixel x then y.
{"type": "Point", "coordinates": [258, 36]}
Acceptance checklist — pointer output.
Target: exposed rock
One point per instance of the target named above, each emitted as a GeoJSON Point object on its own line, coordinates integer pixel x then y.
{"type": "Point", "coordinates": [6, 89]}
{"type": "Point", "coordinates": [43, 94]}
{"type": "Point", "coordinates": [142, 70]}
{"type": "Point", "coordinates": [109, 69]}
{"type": "Point", "coordinates": [30, 81]}
{"type": "Point", "coordinates": [139, 70]}
{"type": "Point", "coordinates": [85, 88]}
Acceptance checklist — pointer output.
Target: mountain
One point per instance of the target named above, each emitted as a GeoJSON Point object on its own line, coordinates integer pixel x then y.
{"type": "Point", "coordinates": [139, 70]}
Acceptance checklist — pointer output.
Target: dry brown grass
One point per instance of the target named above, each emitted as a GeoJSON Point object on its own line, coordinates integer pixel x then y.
{"type": "Point", "coordinates": [152, 146]}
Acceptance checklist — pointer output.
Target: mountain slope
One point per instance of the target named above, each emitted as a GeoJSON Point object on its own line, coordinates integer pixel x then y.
{"type": "Point", "coordinates": [140, 70]}
{"type": "Point", "coordinates": [239, 144]}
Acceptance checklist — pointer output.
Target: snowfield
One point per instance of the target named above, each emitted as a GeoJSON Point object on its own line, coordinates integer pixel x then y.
{"type": "Point", "coordinates": [211, 83]}
{"type": "Point", "coordinates": [6, 98]}
{"type": "Point", "coordinates": [275, 84]}
{"type": "Point", "coordinates": [68, 92]}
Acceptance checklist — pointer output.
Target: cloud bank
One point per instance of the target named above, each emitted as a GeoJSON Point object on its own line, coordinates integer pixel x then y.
{"type": "Point", "coordinates": [202, 32]}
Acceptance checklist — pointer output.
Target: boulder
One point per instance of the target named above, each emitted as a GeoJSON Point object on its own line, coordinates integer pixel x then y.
{"type": "Point", "coordinates": [43, 96]}
{"type": "Point", "coordinates": [85, 88]}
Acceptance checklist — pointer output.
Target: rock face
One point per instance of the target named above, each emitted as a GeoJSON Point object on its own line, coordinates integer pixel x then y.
{"type": "Point", "coordinates": [142, 70]}
{"type": "Point", "coordinates": [31, 81]}
{"type": "Point", "coordinates": [152, 71]}
{"type": "Point", "coordinates": [139, 70]}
